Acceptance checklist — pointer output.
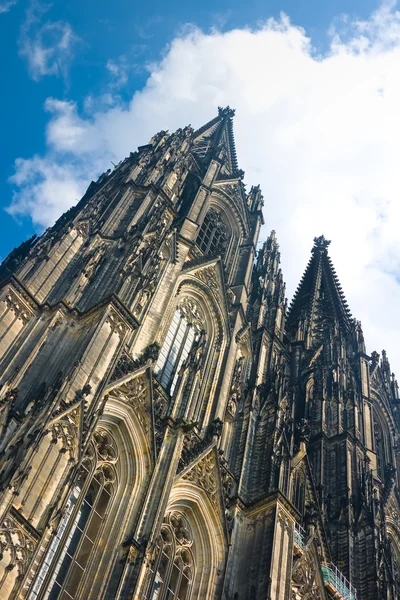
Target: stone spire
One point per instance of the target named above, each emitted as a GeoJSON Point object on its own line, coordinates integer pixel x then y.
{"type": "Point", "coordinates": [319, 297]}
{"type": "Point", "coordinates": [215, 139]}
{"type": "Point", "coordinates": [268, 287]}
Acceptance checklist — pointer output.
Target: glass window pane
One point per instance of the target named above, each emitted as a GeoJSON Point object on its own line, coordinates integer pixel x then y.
{"type": "Point", "coordinates": [168, 340]}
{"type": "Point", "coordinates": [102, 502]}
{"type": "Point", "coordinates": [97, 515]}
{"type": "Point", "coordinates": [183, 588]}
{"type": "Point", "coordinates": [63, 568]}
{"type": "Point", "coordinates": [162, 569]}
{"type": "Point", "coordinates": [156, 588]}
{"type": "Point", "coordinates": [73, 540]}
{"type": "Point", "coordinates": [91, 494]}
{"type": "Point", "coordinates": [54, 592]}
{"type": "Point", "coordinates": [84, 552]}
{"type": "Point", "coordinates": [173, 582]}
{"type": "Point", "coordinates": [74, 579]}
{"type": "Point", "coordinates": [93, 529]}
{"type": "Point", "coordinates": [55, 543]}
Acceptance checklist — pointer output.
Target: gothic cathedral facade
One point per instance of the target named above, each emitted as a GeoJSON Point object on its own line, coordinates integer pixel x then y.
{"type": "Point", "coordinates": [170, 428]}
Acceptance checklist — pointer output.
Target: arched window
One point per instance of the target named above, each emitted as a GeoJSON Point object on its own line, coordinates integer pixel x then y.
{"type": "Point", "coordinates": [298, 494]}
{"type": "Point", "coordinates": [395, 559]}
{"type": "Point", "coordinates": [186, 328]}
{"type": "Point", "coordinates": [380, 450]}
{"type": "Point", "coordinates": [213, 235]}
{"type": "Point", "coordinates": [70, 550]}
{"type": "Point", "coordinates": [172, 571]}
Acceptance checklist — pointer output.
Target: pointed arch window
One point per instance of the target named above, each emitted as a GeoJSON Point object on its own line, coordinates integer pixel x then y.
{"type": "Point", "coordinates": [69, 553]}
{"type": "Point", "coordinates": [395, 559]}
{"type": "Point", "coordinates": [299, 491]}
{"type": "Point", "coordinates": [380, 450]}
{"type": "Point", "coordinates": [185, 329]}
{"type": "Point", "coordinates": [213, 235]}
{"type": "Point", "coordinates": [172, 571]}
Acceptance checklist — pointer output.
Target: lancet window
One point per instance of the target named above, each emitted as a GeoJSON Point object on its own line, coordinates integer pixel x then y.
{"type": "Point", "coordinates": [298, 496]}
{"type": "Point", "coordinates": [395, 556]}
{"type": "Point", "coordinates": [380, 450]}
{"type": "Point", "coordinates": [213, 235]}
{"type": "Point", "coordinates": [172, 571]}
{"type": "Point", "coordinates": [186, 328]}
{"type": "Point", "coordinates": [69, 553]}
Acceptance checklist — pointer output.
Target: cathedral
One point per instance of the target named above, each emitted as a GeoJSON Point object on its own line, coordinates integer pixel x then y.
{"type": "Point", "coordinates": [170, 428]}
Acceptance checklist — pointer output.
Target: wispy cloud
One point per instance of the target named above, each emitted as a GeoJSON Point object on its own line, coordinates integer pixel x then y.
{"type": "Point", "coordinates": [118, 70]}
{"type": "Point", "coordinates": [147, 30]}
{"type": "Point", "coordinates": [6, 6]}
{"type": "Point", "coordinates": [48, 47]}
{"type": "Point", "coordinates": [320, 134]}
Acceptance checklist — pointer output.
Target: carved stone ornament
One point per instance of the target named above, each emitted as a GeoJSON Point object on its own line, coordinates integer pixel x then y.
{"type": "Point", "coordinates": [192, 313]}
{"type": "Point", "coordinates": [16, 544]}
{"type": "Point", "coordinates": [203, 475]}
{"type": "Point", "coordinates": [117, 324]}
{"type": "Point", "coordinates": [303, 579]}
{"type": "Point", "coordinates": [125, 365]}
{"type": "Point", "coordinates": [208, 275]}
{"type": "Point", "coordinates": [19, 309]}
{"type": "Point", "coordinates": [134, 392]}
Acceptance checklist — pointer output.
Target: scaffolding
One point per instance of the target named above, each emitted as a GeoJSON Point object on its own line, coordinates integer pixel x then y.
{"type": "Point", "coordinates": [299, 536]}
{"type": "Point", "coordinates": [337, 584]}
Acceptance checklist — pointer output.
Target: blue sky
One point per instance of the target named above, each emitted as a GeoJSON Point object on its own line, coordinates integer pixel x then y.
{"type": "Point", "coordinates": [316, 91]}
{"type": "Point", "coordinates": [139, 31]}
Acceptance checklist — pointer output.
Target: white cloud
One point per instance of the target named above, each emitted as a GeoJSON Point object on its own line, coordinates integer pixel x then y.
{"type": "Point", "coordinates": [118, 69]}
{"type": "Point", "coordinates": [319, 133]}
{"type": "Point", "coordinates": [7, 6]}
{"type": "Point", "coordinates": [46, 188]}
{"type": "Point", "coordinates": [48, 47]}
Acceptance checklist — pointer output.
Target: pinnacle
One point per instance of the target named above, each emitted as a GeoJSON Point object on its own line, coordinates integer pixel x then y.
{"type": "Point", "coordinates": [227, 111]}
{"type": "Point", "coordinates": [321, 243]}
{"type": "Point", "coordinates": [319, 274]}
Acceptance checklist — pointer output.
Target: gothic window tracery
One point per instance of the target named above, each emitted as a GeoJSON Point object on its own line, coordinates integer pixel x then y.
{"type": "Point", "coordinates": [383, 443]}
{"type": "Point", "coordinates": [395, 559]}
{"type": "Point", "coordinates": [213, 235]}
{"type": "Point", "coordinates": [172, 571]}
{"type": "Point", "coordinates": [380, 450]}
{"type": "Point", "coordinates": [70, 550]}
{"type": "Point", "coordinates": [298, 493]}
{"type": "Point", "coordinates": [186, 328]}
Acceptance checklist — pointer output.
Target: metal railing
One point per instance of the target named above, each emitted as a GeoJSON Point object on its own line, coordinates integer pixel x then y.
{"type": "Point", "coordinates": [337, 583]}
{"type": "Point", "coordinates": [299, 536]}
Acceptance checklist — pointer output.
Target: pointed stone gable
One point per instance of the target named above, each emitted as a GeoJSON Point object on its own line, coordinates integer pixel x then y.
{"type": "Point", "coordinates": [203, 474]}
{"type": "Point", "coordinates": [215, 140]}
{"type": "Point", "coordinates": [134, 389]}
{"type": "Point", "coordinates": [206, 474]}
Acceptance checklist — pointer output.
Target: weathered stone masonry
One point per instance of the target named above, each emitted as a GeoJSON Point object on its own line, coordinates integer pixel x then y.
{"type": "Point", "coordinates": [169, 427]}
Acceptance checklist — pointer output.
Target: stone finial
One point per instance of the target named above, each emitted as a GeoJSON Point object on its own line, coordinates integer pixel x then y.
{"type": "Point", "coordinates": [374, 359]}
{"type": "Point", "coordinates": [255, 199]}
{"type": "Point", "coordinates": [321, 243]}
{"type": "Point", "coordinates": [239, 173]}
{"type": "Point", "coordinates": [226, 112]}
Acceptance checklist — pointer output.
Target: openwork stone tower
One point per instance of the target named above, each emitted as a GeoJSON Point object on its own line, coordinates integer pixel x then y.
{"type": "Point", "coordinates": [170, 429]}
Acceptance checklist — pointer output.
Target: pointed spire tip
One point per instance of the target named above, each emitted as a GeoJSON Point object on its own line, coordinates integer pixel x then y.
{"type": "Point", "coordinates": [227, 111]}
{"type": "Point", "coordinates": [321, 243]}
